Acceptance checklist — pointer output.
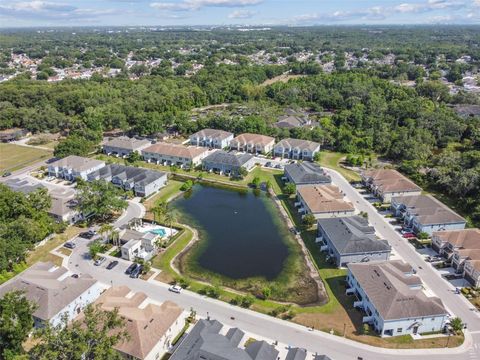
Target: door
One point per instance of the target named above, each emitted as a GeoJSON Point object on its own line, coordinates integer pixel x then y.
{"type": "Point", "coordinates": [415, 330]}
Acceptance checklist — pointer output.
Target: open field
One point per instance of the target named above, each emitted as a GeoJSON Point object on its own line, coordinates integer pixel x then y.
{"type": "Point", "coordinates": [282, 78]}
{"type": "Point", "coordinates": [333, 160]}
{"type": "Point", "coordinates": [14, 157]}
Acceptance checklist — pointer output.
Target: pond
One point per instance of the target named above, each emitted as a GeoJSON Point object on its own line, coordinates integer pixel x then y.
{"type": "Point", "coordinates": [241, 235]}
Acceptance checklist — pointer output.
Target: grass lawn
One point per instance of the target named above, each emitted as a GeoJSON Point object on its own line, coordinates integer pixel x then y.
{"type": "Point", "coordinates": [14, 157]}
{"type": "Point", "coordinates": [332, 160]}
{"type": "Point", "coordinates": [165, 194]}
{"type": "Point", "coordinates": [42, 253]}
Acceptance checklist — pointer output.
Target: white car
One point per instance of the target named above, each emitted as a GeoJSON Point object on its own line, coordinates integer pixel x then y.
{"type": "Point", "coordinates": [175, 288]}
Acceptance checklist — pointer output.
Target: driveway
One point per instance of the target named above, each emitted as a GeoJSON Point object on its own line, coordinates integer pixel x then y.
{"type": "Point", "coordinates": [134, 210]}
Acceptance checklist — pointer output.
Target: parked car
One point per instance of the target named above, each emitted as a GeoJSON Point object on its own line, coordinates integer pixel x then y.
{"type": "Point", "coordinates": [278, 166]}
{"type": "Point", "coordinates": [136, 273]}
{"type": "Point", "coordinates": [112, 264]}
{"type": "Point", "coordinates": [408, 235]}
{"type": "Point", "coordinates": [175, 288]}
{"type": "Point", "coordinates": [75, 276]}
{"type": "Point", "coordinates": [131, 268]}
{"type": "Point", "coordinates": [100, 261]}
{"type": "Point", "coordinates": [268, 164]}
{"type": "Point", "coordinates": [6, 173]}
{"type": "Point", "coordinates": [70, 245]}
{"type": "Point", "coordinates": [88, 234]}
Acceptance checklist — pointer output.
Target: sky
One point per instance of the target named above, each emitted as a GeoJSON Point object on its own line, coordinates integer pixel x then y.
{"type": "Point", "coordinates": [35, 13]}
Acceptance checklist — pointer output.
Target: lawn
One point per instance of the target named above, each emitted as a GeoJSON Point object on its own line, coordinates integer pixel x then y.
{"type": "Point", "coordinates": [165, 194]}
{"type": "Point", "coordinates": [333, 160]}
{"type": "Point", "coordinates": [14, 157]}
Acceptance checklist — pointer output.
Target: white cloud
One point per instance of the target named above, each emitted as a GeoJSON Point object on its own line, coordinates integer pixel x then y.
{"type": "Point", "coordinates": [430, 5]}
{"type": "Point", "coordinates": [189, 5]}
{"type": "Point", "coordinates": [241, 14]}
{"type": "Point", "coordinates": [476, 3]}
{"type": "Point", "coordinates": [373, 13]}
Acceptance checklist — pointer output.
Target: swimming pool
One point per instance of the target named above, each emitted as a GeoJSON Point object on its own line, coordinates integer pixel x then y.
{"type": "Point", "coordinates": [158, 231]}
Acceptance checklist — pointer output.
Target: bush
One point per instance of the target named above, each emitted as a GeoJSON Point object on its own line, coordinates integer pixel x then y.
{"type": "Point", "coordinates": [365, 329]}
{"type": "Point", "coordinates": [187, 185]}
{"type": "Point", "coordinates": [247, 301]}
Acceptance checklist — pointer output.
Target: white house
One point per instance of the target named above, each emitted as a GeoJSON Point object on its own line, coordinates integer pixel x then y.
{"type": "Point", "coordinates": [123, 146]}
{"type": "Point", "coordinates": [253, 143]}
{"type": "Point", "coordinates": [136, 244]}
{"type": "Point", "coordinates": [393, 299]}
{"type": "Point", "coordinates": [296, 149]}
{"type": "Point", "coordinates": [55, 292]}
{"type": "Point", "coordinates": [388, 183]}
{"type": "Point", "coordinates": [72, 167]}
{"type": "Point", "coordinates": [212, 138]}
{"type": "Point", "coordinates": [323, 201]}
{"type": "Point", "coordinates": [173, 154]}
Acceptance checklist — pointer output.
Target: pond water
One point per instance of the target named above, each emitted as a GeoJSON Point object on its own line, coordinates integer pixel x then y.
{"type": "Point", "coordinates": [242, 235]}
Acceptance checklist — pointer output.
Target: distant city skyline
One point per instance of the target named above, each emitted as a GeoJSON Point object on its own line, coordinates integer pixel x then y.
{"type": "Point", "coordinates": [21, 13]}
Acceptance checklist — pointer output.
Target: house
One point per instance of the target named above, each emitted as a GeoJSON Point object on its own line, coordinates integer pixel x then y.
{"type": "Point", "coordinates": [462, 248]}
{"type": "Point", "coordinates": [13, 134]}
{"type": "Point", "coordinates": [303, 173]}
{"type": "Point", "coordinates": [296, 354]}
{"type": "Point", "coordinates": [136, 244]}
{"type": "Point", "coordinates": [73, 167]}
{"type": "Point", "coordinates": [55, 292]}
{"type": "Point", "coordinates": [323, 201]}
{"type": "Point", "coordinates": [393, 298]}
{"type": "Point", "coordinates": [123, 146]}
{"type": "Point", "coordinates": [228, 163]}
{"type": "Point", "coordinates": [424, 213]}
{"type": "Point", "coordinates": [387, 183]}
{"type": "Point", "coordinates": [351, 240]}
{"type": "Point", "coordinates": [142, 182]}
{"type": "Point", "coordinates": [172, 154]}
{"type": "Point", "coordinates": [212, 138]}
{"type": "Point", "coordinates": [151, 326]}
{"type": "Point", "coordinates": [293, 119]}
{"type": "Point", "coordinates": [207, 341]}
{"type": "Point", "coordinates": [253, 143]}
{"type": "Point", "coordinates": [296, 149]}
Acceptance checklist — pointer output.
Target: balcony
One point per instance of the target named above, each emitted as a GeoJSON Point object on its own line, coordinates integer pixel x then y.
{"type": "Point", "coordinates": [367, 319]}
{"type": "Point", "coordinates": [323, 248]}
{"type": "Point", "coordinates": [319, 239]}
{"type": "Point", "coordinates": [350, 291]}
{"type": "Point", "coordinates": [301, 210]}
{"type": "Point", "coordinates": [297, 203]}
{"type": "Point", "coordinates": [358, 304]}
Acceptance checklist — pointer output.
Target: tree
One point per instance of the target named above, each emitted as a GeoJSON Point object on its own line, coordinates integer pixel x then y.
{"type": "Point", "coordinates": [106, 229]}
{"type": "Point", "coordinates": [159, 211]}
{"type": "Point", "coordinates": [92, 337]}
{"type": "Point", "coordinates": [16, 322]}
{"type": "Point", "coordinates": [457, 325]}
{"type": "Point", "coordinates": [266, 292]}
{"type": "Point", "coordinates": [134, 157]}
{"type": "Point", "coordinates": [94, 248]}
{"type": "Point", "coordinates": [309, 220]}
{"type": "Point", "coordinates": [99, 199]}
{"type": "Point", "coordinates": [74, 145]}
{"type": "Point", "coordinates": [242, 172]}
{"type": "Point", "coordinates": [171, 217]}
{"type": "Point", "coordinates": [317, 156]}
{"type": "Point", "coordinates": [256, 182]}
{"type": "Point", "coordinates": [290, 188]}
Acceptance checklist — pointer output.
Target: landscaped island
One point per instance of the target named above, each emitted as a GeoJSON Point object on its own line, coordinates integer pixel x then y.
{"type": "Point", "coordinates": [244, 244]}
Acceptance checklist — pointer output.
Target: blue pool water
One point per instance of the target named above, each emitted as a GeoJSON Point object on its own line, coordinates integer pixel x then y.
{"type": "Point", "coordinates": [160, 232]}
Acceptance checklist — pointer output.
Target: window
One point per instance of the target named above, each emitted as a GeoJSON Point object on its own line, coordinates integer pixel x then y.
{"type": "Point", "coordinates": [399, 330]}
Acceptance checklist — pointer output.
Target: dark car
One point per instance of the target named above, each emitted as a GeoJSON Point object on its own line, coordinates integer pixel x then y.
{"type": "Point", "coordinates": [70, 245]}
{"type": "Point", "coordinates": [268, 164]}
{"type": "Point", "coordinates": [6, 173]}
{"type": "Point", "coordinates": [87, 234]}
{"type": "Point", "coordinates": [112, 264]}
{"type": "Point", "coordinates": [75, 276]}
{"type": "Point", "coordinates": [130, 269]}
{"type": "Point", "coordinates": [136, 273]}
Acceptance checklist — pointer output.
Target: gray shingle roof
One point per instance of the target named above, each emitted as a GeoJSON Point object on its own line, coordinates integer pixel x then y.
{"type": "Point", "coordinates": [297, 143]}
{"type": "Point", "coordinates": [77, 163]}
{"type": "Point", "coordinates": [125, 142]}
{"type": "Point", "coordinates": [25, 186]}
{"type": "Point", "coordinates": [352, 235]}
{"type": "Point", "coordinates": [388, 285]}
{"type": "Point", "coordinates": [307, 173]}
{"type": "Point", "coordinates": [137, 175]}
{"type": "Point", "coordinates": [221, 157]}
{"type": "Point", "coordinates": [296, 354]}
{"type": "Point", "coordinates": [212, 133]}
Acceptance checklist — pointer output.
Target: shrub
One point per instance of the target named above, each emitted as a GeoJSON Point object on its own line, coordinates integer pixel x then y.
{"type": "Point", "coordinates": [187, 185]}
{"type": "Point", "coordinates": [365, 329]}
{"type": "Point", "coordinates": [247, 301]}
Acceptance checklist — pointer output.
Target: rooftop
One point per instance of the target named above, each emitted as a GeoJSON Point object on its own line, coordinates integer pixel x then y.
{"type": "Point", "coordinates": [248, 138]}
{"type": "Point", "coordinates": [394, 291]}
{"type": "Point", "coordinates": [352, 235]}
{"type": "Point", "coordinates": [389, 180]}
{"type": "Point", "coordinates": [77, 163]}
{"type": "Point", "coordinates": [133, 174]}
{"type": "Point", "coordinates": [465, 238]}
{"type": "Point", "coordinates": [125, 142]}
{"type": "Point", "coordinates": [324, 198]}
{"type": "Point", "coordinates": [228, 158]}
{"type": "Point", "coordinates": [307, 173]}
{"type": "Point", "coordinates": [298, 143]}
{"type": "Point", "coordinates": [213, 133]}
{"type": "Point", "coordinates": [429, 210]}
{"type": "Point", "coordinates": [176, 150]}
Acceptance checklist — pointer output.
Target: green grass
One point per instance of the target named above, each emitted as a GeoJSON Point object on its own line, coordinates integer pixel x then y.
{"type": "Point", "coordinates": [165, 194]}
{"type": "Point", "coordinates": [332, 160]}
{"type": "Point", "coordinates": [14, 157]}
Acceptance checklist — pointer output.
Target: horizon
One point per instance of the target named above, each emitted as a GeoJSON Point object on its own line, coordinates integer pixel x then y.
{"type": "Point", "coordinates": [272, 13]}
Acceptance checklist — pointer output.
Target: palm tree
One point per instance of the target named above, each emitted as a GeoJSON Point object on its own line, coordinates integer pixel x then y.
{"type": "Point", "coordinates": [105, 229]}
{"type": "Point", "coordinates": [159, 211]}
{"type": "Point", "coordinates": [115, 236]}
{"type": "Point", "coordinates": [170, 218]}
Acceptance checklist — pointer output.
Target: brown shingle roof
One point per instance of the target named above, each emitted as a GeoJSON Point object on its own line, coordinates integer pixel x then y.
{"type": "Point", "coordinates": [213, 133]}
{"type": "Point", "coordinates": [324, 198]}
{"type": "Point", "coordinates": [388, 288]}
{"type": "Point", "coordinates": [189, 152]}
{"type": "Point", "coordinates": [125, 142]}
{"type": "Point", "coordinates": [389, 180]}
{"type": "Point", "coordinates": [253, 138]}
{"type": "Point", "coordinates": [298, 143]}
{"type": "Point", "coordinates": [465, 238]}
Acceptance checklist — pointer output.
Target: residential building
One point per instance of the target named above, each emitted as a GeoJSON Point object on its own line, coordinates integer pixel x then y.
{"type": "Point", "coordinates": [73, 167]}
{"type": "Point", "coordinates": [172, 154]}
{"type": "Point", "coordinates": [296, 354]}
{"type": "Point", "coordinates": [303, 173]}
{"type": "Point", "coordinates": [424, 213]}
{"type": "Point", "coordinates": [351, 240]}
{"type": "Point", "coordinates": [387, 183]}
{"type": "Point", "coordinates": [136, 244]}
{"type": "Point", "coordinates": [54, 291]}
{"type": "Point", "coordinates": [25, 185]}
{"type": "Point", "coordinates": [393, 298]}
{"type": "Point", "coordinates": [323, 201]}
{"type": "Point", "coordinates": [228, 163]}
{"type": "Point", "coordinates": [253, 143]}
{"type": "Point", "coordinates": [151, 326]}
{"type": "Point", "coordinates": [206, 342]}
{"type": "Point", "coordinates": [142, 182]}
{"type": "Point", "coordinates": [293, 119]}
{"type": "Point", "coordinates": [63, 205]}
{"type": "Point", "coordinates": [212, 138]}
{"type": "Point", "coordinates": [296, 149]}
{"type": "Point", "coordinates": [123, 146]}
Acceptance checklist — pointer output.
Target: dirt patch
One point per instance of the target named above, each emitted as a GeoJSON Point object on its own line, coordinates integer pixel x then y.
{"type": "Point", "coordinates": [164, 277]}
{"type": "Point", "coordinates": [282, 78]}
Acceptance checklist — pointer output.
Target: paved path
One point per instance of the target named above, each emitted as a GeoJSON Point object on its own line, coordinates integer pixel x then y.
{"type": "Point", "coordinates": [134, 210]}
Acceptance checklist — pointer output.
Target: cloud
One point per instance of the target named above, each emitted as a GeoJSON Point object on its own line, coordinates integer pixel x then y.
{"type": "Point", "coordinates": [476, 3]}
{"type": "Point", "coordinates": [430, 5]}
{"type": "Point", "coordinates": [373, 13]}
{"type": "Point", "coordinates": [189, 5]}
{"type": "Point", "coordinates": [241, 14]}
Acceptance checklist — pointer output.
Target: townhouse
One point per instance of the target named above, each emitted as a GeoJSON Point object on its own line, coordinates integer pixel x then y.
{"type": "Point", "coordinates": [228, 163]}
{"type": "Point", "coordinates": [388, 183]}
{"type": "Point", "coordinates": [296, 149]}
{"type": "Point", "coordinates": [55, 292]}
{"type": "Point", "coordinates": [462, 249]}
{"type": "Point", "coordinates": [393, 299]}
{"type": "Point", "coordinates": [424, 213]}
{"type": "Point", "coordinates": [142, 182]}
{"type": "Point", "coordinates": [123, 146]}
{"type": "Point", "coordinates": [303, 173]}
{"type": "Point", "coordinates": [351, 240]}
{"type": "Point", "coordinates": [73, 167]}
{"type": "Point", "coordinates": [174, 155]}
{"type": "Point", "coordinates": [211, 138]}
{"type": "Point", "coordinates": [323, 201]}
{"type": "Point", "coordinates": [136, 244]}
{"type": "Point", "coordinates": [151, 327]}
{"type": "Point", "coordinates": [253, 143]}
